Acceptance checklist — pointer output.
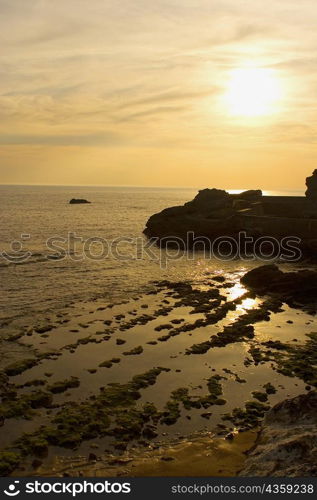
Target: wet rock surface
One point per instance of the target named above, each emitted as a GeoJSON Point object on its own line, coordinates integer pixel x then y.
{"type": "Point", "coordinates": [287, 443]}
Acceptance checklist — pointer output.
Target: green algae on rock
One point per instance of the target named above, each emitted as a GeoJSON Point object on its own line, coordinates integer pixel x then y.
{"type": "Point", "coordinates": [64, 385]}
{"type": "Point", "coordinates": [112, 412]}
{"type": "Point", "coordinates": [134, 351]}
{"type": "Point", "coordinates": [24, 404]}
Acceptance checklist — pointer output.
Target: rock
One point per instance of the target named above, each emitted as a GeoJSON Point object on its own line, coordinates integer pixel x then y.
{"type": "Point", "coordinates": [262, 277]}
{"type": "Point", "coordinates": [208, 200]}
{"type": "Point", "coordinates": [251, 194]}
{"type": "Point", "coordinates": [287, 443]}
{"type": "Point", "coordinates": [216, 216]}
{"type": "Point", "coordinates": [208, 214]}
{"type": "Point", "coordinates": [299, 287]}
{"type": "Point", "coordinates": [229, 436]}
{"type": "Point", "coordinates": [211, 214]}
{"type": "Point", "coordinates": [78, 201]}
{"type": "Point", "coordinates": [92, 457]}
{"type": "Point", "coordinates": [311, 183]}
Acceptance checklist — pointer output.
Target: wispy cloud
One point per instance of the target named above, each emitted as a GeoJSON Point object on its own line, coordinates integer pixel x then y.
{"type": "Point", "coordinates": [108, 74]}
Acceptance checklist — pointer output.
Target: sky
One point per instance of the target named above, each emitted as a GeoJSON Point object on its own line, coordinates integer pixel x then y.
{"type": "Point", "coordinates": [108, 92]}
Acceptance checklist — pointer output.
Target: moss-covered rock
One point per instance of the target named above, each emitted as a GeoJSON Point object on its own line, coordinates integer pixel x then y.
{"type": "Point", "coordinates": [134, 351]}
{"type": "Point", "coordinates": [8, 462]}
{"type": "Point", "coordinates": [64, 385]}
{"type": "Point", "coordinates": [20, 366]}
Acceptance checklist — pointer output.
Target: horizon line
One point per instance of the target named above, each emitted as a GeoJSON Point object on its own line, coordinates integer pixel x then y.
{"type": "Point", "coordinates": [237, 190]}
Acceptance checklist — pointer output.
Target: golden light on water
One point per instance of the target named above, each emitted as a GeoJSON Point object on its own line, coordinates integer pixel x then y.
{"type": "Point", "coordinates": [248, 303]}
{"type": "Point", "coordinates": [236, 291]}
{"type": "Point", "coordinates": [253, 92]}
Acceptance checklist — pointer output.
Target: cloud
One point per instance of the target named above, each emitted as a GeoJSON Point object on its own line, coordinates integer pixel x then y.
{"type": "Point", "coordinates": [99, 139]}
{"type": "Point", "coordinates": [110, 74]}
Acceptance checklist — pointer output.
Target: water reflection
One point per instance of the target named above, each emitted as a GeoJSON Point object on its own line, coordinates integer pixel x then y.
{"type": "Point", "coordinates": [236, 291]}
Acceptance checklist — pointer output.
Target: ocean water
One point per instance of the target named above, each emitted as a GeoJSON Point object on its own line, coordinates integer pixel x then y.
{"type": "Point", "coordinates": [78, 311]}
{"type": "Point", "coordinates": [47, 278]}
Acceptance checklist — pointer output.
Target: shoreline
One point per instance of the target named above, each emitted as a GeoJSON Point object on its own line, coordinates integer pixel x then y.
{"type": "Point", "coordinates": [241, 344]}
{"type": "Point", "coordinates": [199, 456]}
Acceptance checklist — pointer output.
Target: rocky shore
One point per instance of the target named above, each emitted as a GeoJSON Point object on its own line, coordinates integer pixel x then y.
{"type": "Point", "coordinates": [284, 446]}
{"type": "Point", "coordinates": [287, 442]}
{"type": "Point", "coordinates": [105, 380]}
{"type": "Point", "coordinates": [215, 216]}
{"type": "Point", "coordinates": [209, 215]}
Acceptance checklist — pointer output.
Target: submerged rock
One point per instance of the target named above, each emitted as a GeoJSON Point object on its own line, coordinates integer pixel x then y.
{"type": "Point", "coordinates": [287, 444]}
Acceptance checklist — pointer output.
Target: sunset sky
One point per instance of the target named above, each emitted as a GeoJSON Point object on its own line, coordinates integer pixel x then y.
{"type": "Point", "coordinates": [156, 93]}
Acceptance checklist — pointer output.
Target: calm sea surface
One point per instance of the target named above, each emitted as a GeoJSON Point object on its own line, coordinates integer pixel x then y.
{"type": "Point", "coordinates": [43, 281]}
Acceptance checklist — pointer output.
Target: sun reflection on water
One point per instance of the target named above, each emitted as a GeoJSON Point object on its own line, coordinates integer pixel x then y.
{"type": "Point", "coordinates": [236, 291]}
{"type": "Point", "coordinates": [248, 303]}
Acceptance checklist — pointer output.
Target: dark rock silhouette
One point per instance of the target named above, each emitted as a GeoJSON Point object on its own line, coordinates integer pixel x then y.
{"type": "Point", "coordinates": [311, 183]}
{"type": "Point", "coordinates": [215, 213]}
{"type": "Point", "coordinates": [209, 214]}
{"type": "Point", "coordinates": [251, 194]}
{"type": "Point", "coordinates": [300, 286]}
{"type": "Point", "coordinates": [78, 201]}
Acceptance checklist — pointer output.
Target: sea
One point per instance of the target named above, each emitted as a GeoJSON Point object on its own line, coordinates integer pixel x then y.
{"type": "Point", "coordinates": [79, 299]}
{"type": "Point", "coordinates": [53, 254]}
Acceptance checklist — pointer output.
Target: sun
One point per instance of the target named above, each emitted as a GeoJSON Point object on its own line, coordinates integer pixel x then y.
{"type": "Point", "coordinates": [252, 92]}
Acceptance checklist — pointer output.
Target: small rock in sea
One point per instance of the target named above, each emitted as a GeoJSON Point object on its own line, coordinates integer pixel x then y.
{"type": "Point", "coordinates": [92, 457]}
{"type": "Point", "coordinates": [78, 201]}
{"type": "Point", "coordinates": [206, 415]}
{"type": "Point", "coordinates": [43, 329]}
{"type": "Point", "coordinates": [167, 459]}
{"type": "Point", "coordinates": [220, 279]}
{"type": "Point", "coordinates": [120, 341]}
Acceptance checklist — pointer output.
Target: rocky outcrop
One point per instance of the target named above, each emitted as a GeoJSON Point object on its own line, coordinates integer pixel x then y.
{"type": "Point", "coordinates": [210, 215]}
{"type": "Point", "coordinates": [300, 286]}
{"type": "Point", "coordinates": [214, 214]}
{"type": "Point", "coordinates": [78, 201]}
{"type": "Point", "coordinates": [311, 183]}
{"type": "Point", "coordinates": [287, 443]}
{"type": "Point", "coordinates": [251, 194]}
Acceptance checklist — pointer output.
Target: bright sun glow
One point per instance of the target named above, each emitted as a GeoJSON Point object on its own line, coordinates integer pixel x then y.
{"type": "Point", "coordinates": [253, 92]}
